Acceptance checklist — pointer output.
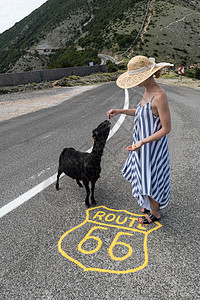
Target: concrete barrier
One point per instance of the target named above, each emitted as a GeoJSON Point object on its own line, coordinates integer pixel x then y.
{"type": "Point", "coordinates": [11, 79]}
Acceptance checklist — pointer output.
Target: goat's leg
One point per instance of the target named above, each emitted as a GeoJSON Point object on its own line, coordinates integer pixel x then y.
{"type": "Point", "coordinates": [92, 196]}
{"type": "Point", "coordinates": [58, 176]}
{"type": "Point", "coordinates": [86, 184]}
{"type": "Point", "coordinates": [79, 184]}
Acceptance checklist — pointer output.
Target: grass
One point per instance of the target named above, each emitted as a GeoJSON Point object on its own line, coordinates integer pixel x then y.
{"type": "Point", "coordinates": [176, 35]}
{"type": "Point", "coordinates": [170, 76]}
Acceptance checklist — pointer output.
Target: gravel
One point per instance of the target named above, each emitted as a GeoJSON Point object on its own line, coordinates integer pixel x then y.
{"type": "Point", "coordinates": [13, 105]}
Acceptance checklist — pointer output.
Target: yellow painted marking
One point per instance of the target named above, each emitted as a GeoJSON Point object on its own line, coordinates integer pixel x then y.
{"type": "Point", "coordinates": [87, 237]}
{"type": "Point", "coordinates": [132, 222]}
{"type": "Point", "coordinates": [111, 209]}
{"type": "Point", "coordinates": [111, 217]}
{"type": "Point", "coordinates": [63, 252]}
{"type": "Point", "coordinates": [121, 222]}
{"type": "Point", "coordinates": [141, 227]}
{"type": "Point", "coordinates": [99, 214]}
{"type": "Point", "coordinates": [121, 227]}
{"type": "Point", "coordinates": [115, 242]}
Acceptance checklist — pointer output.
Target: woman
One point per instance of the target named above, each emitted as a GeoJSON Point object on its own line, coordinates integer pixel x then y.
{"type": "Point", "coordinates": [147, 165]}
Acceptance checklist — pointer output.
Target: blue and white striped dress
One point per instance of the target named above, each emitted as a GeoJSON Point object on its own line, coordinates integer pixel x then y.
{"type": "Point", "coordinates": [148, 168]}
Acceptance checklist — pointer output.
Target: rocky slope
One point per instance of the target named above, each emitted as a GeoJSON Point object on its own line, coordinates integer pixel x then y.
{"type": "Point", "coordinates": [167, 30]}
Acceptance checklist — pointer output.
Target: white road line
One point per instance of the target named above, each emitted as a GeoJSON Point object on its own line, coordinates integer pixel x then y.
{"type": "Point", "coordinates": [43, 185]}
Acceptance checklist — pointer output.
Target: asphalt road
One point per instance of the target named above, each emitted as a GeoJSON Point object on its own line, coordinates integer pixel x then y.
{"type": "Point", "coordinates": [50, 250]}
{"type": "Point", "coordinates": [104, 58]}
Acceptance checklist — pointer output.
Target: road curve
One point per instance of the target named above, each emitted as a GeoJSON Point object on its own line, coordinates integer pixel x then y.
{"type": "Point", "coordinates": [104, 58]}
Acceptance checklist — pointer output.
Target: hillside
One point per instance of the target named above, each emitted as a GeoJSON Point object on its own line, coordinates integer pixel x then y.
{"type": "Point", "coordinates": [167, 30]}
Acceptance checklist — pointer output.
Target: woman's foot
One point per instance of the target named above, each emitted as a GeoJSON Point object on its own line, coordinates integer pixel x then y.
{"type": "Point", "coordinates": [144, 210]}
{"type": "Point", "coordinates": [149, 218]}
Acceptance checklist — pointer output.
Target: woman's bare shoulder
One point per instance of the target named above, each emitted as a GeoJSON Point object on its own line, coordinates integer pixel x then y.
{"type": "Point", "coordinates": [160, 98]}
{"type": "Point", "coordinates": [160, 94]}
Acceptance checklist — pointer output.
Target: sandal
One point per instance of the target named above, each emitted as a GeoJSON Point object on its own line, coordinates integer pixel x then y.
{"type": "Point", "coordinates": [146, 221]}
{"type": "Point", "coordinates": [144, 210]}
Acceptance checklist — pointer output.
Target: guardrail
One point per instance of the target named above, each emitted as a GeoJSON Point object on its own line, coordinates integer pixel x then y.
{"type": "Point", "coordinates": [11, 79]}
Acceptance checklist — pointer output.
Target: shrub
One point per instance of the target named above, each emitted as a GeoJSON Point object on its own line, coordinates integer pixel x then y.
{"type": "Point", "coordinates": [124, 40]}
{"type": "Point", "coordinates": [197, 73]}
{"type": "Point", "coordinates": [70, 57]}
{"type": "Point", "coordinates": [122, 66]}
{"type": "Point", "coordinates": [192, 73]}
{"type": "Point", "coordinates": [182, 50]}
{"type": "Point", "coordinates": [74, 77]}
{"type": "Point", "coordinates": [111, 67]}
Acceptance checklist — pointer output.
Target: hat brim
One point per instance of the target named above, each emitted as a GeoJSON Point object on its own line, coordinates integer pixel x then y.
{"type": "Point", "coordinates": [126, 81]}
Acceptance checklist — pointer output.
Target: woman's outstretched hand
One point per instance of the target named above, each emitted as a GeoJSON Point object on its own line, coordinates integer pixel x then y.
{"type": "Point", "coordinates": [135, 147]}
{"type": "Point", "coordinates": [112, 112]}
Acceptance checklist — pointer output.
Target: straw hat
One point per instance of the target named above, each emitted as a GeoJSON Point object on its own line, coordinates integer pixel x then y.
{"type": "Point", "coordinates": [140, 68]}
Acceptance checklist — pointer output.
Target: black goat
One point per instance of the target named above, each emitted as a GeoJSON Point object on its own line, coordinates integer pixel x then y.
{"type": "Point", "coordinates": [85, 166]}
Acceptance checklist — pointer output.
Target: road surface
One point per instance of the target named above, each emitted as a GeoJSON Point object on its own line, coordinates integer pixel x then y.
{"type": "Point", "coordinates": [52, 247]}
{"type": "Point", "coordinates": [105, 57]}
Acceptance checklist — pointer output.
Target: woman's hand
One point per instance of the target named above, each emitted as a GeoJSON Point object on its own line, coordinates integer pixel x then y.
{"type": "Point", "coordinates": [113, 112]}
{"type": "Point", "coordinates": [135, 147]}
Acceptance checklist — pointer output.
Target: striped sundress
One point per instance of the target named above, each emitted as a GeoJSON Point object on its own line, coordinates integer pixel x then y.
{"type": "Point", "coordinates": [148, 168]}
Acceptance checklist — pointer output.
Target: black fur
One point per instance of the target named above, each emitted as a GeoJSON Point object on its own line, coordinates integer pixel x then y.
{"type": "Point", "coordinates": [85, 166]}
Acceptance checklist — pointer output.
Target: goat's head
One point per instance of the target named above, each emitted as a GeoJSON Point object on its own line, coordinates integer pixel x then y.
{"type": "Point", "coordinates": [102, 131]}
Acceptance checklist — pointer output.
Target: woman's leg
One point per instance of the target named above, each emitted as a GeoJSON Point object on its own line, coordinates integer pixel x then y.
{"type": "Point", "coordinates": [154, 211]}
{"type": "Point", "coordinates": [154, 207]}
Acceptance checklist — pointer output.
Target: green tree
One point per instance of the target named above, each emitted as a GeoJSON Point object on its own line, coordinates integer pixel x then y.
{"type": "Point", "coordinates": [111, 67]}
{"type": "Point", "coordinates": [197, 73]}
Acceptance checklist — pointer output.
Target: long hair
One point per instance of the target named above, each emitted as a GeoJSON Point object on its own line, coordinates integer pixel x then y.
{"type": "Point", "coordinates": [158, 73]}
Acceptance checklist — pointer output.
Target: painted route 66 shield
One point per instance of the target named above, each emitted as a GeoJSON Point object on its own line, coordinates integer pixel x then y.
{"type": "Point", "coordinates": [109, 241]}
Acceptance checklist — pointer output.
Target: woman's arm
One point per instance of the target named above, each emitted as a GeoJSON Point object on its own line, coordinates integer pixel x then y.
{"type": "Point", "coordinates": [113, 112]}
{"type": "Point", "coordinates": [161, 103]}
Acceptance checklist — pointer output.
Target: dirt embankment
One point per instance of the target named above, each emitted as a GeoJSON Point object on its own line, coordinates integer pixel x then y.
{"type": "Point", "coordinates": [191, 83]}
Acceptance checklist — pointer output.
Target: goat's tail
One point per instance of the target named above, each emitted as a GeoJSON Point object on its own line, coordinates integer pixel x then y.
{"type": "Point", "coordinates": [59, 172]}
{"type": "Point", "coordinates": [59, 165]}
